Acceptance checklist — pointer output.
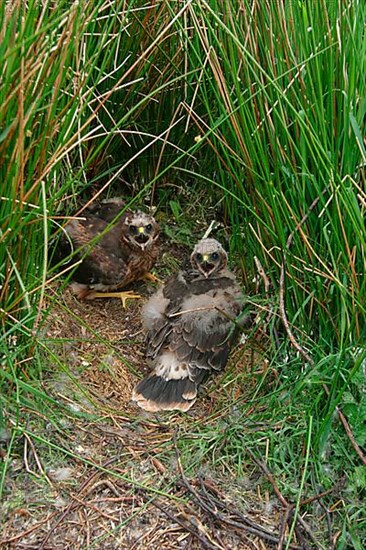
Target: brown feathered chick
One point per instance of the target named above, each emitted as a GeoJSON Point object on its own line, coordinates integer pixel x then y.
{"type": "Point", "coordinates": [189, 325]}
{"type": "Point", "coordinates": [111, 257]}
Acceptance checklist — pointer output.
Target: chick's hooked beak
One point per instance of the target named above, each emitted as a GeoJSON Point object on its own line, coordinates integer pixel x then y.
{"type": "Point", "coordinates": [207, 266]}
{"type": "Point", "coordinates": [142, 237]}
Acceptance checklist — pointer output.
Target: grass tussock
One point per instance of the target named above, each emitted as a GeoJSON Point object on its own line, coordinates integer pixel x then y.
{"type": "Point", "coordinates": [248, 113]}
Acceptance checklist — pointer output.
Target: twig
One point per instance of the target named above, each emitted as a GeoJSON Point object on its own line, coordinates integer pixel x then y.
{"type": "Point", "coordinates": [74, 504]}
{"type": "Point", "coordinates": [248, 525]}
{"type": "Point", "coordinates": [92, 507]}
{"type": "Point", "coordinates": [348, 431]}
{"type": "Point", "coordinates": [308, 530]}
{"type": "Point", "coordinates": [284, 522]}
{"type": "Point", "coordinates": [283, 284]}
{"type": "Point", "coordinates": [263, 466]}
{"type": "Point", "coordinates": [319, 495]}
{"type": "Point", "coordinates": [206, 308]}
{"type": "Point", "coordinates": [329, 524]}
{"type": "Point", "coordinates": [28, 531]}
{"type": "Point", "coordinates": [262, 273]}
{"type": "Point", "coordinates": [186, 526]}
{"type": "Point", "coordinates": [209, 229]}
{"type": "Point", "coordinates": [27, 439]}
{"type": "Point", "coordinates": [289, 506]}
{"type": "Point", "coordinates": [285, 322]}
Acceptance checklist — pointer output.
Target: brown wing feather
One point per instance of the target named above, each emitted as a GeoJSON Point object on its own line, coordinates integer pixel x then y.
{"type": "Point", "coordinates": [202, 340]}
{"type": "Point", "coordinates": [199, 336]}
{"type": "Point", "coordinates": [83, 232]}
{"type": "Point", "coordinates": [108, 210]}
{"type": "Point", "coordinates": [103, 262]}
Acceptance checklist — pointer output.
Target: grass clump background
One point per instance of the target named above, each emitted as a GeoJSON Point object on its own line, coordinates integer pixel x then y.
{"type": "Point", "coordinates": [252, 113]}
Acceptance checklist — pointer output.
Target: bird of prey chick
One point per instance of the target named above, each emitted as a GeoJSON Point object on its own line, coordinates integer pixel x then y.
{"type": "Point", "coordinates": [189, 329]}
{"type": "Point", "coordinates": [111, 255]}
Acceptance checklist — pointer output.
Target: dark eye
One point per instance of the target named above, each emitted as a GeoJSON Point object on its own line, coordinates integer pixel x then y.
{"type": "Point", "coordinates": [148, 227]}
{"type": "Point", "coordinates": [214, 256]}
{"type": "Point", "coordinates": [199, 257]}
{"type": "Point", "coordinates": [133, 229]}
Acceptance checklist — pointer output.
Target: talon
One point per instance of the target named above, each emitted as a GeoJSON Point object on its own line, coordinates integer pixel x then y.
{"type": "Point", "coordinates": [123, 296]}
{"type": "Point", "coordinates": [152, 277]}
{"type": "Point", "coordinates": [127, 296]}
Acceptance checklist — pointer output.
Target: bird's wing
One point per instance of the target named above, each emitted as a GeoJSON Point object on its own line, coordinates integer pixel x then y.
{"type": "Point", "coordinates": [108, 210]}
{"type": "Point", "coordinates": [101, 260]}
{"type": "Point", "coordinates": [201, 339]}
{"type": "Point", "coordinates": [156, 313]}
{"type": "Point", "coordinates": [197, 326]}
{"type": "Point", "coordinates": [93, 230]}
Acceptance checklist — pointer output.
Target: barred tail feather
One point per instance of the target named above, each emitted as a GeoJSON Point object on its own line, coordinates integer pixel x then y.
{"type": "Point", "coordinates": [155, 393]}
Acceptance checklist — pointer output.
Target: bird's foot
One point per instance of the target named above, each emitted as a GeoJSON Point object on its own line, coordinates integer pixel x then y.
{"type": "Point", "coordinates": [151, 277]}
{"type": "Point", "coordinates": [122, 295]}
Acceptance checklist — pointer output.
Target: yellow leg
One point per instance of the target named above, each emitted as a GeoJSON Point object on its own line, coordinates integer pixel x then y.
{"type": "Point", "coordinates": [151, 277]}
{"type": "Point", "coordinates": [124, 296]}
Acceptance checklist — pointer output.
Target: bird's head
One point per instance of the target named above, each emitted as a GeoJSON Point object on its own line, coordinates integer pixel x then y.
{"type": "Point", "coordinates": [208, 257]}
{"type": "Point", "coordinates": [140, 230]}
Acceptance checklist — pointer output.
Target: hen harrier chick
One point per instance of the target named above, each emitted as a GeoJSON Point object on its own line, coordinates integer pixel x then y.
{"type": "Point", "coordinates": [190, 329]}
{"type": "Point", "coordinates": [123, 253]}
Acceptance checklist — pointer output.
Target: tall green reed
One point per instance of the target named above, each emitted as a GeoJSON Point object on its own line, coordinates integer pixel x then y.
{"type": "Point", "coordinates": [86, 110]}
{"type": "Point", "coordinates": [261, 103]}
{"type": "Point", "coordinates": [77, 80]}
{"type": "Point", "coordinates": [100, 94]}
{"type": "Point", "coordinates": [282, 103]}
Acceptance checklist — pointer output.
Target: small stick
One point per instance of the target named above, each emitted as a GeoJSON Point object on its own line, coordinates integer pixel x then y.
{"type": "Point", "coordinates": [90, 505]}
{"type": "Point", "coordinates": [73, 504]}
{"type": "Point", "coordinates": [248, 525]}
{"type": "Point", "coordinates": [207, 308]}
{"type": "Point", "coordinates": [308, 530]}
{"type": "Point", "coordinates": [262, 273]}
{"type": "Point", "coordinates": [270, 478]}
{"type": "Point", "coordinates": [209, 229]}
{"type": "Point", "coordinates": [187, 527]}
{"type": "Point", "coordinates": [28, 531]}
{"type": "Point", "coordinates": [284, 522]}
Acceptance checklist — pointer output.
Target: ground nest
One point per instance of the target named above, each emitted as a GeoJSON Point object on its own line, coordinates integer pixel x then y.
{"type": "Point", "coordinates": [106, 475]}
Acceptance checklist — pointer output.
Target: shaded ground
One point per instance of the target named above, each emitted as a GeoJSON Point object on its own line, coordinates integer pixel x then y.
{"type": "Point", "coordinates": [107, 475]}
